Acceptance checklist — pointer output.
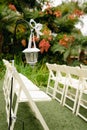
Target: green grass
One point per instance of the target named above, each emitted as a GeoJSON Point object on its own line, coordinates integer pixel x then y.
{"type": "Point", "coordinates": [38, 74]}
{"type": "Point", "coordinates": [56, 116]}
{"type": "Point", "coordinates": [3, 124]}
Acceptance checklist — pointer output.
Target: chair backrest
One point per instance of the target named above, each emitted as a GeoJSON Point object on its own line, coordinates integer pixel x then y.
{"type": "Point", "coordinates": [73, 72]}
{"type": "Point", "coordinates": [83, 76]}
{"type": "Point", "coordinates": [61, 71]}
{"type": "Point", "coordinates": [83, 66]}
{"type": "Point", "coordinates": [74, 77]}
{"type": "Point", "coordinates": [52, 69]}
{"type": "Point", "coordinates": [56, 70]}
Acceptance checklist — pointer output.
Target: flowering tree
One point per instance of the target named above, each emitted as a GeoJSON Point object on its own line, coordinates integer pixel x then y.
{"type": "Point", "coordinates": [60, 40]}
{"type": "Point", "coordinates": [65, 40]}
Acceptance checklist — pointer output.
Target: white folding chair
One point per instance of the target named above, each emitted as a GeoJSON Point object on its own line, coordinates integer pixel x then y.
{"type": "Point", "coordinates": [82, 102]}
{"type": "Point", "coordinates": [51, 79]}
{"type": "Point", "coordinates": [73, 85]}
{"type": "Point", "coordinates": [60, 85]}
{"type": "Point", "coordinates": [56, 81]}
{"type": "Point", "coordinates": [23, 94]}
{"type": "Point", "coordinates": [7, 88]}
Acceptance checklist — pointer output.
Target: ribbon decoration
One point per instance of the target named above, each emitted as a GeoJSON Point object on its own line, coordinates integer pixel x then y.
{"type": "Point", "coordinates": [37, 27]}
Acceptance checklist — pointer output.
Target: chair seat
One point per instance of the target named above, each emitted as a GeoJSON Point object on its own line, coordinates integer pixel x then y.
{"type": "Point", "coordinates": [34, 91]}
{"type": "Point", "coordinates": [35, 95]}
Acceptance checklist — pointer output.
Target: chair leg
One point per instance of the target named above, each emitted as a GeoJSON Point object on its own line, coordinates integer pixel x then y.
{"type": "Point", "coordinates": [66, 96]}
{"type": "Point", "coordinates": [78, 105]}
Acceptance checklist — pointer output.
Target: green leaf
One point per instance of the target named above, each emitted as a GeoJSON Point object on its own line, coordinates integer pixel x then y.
{"type": "Point", "coordinates": [58, 48]}
{"type": "Point", "coordinates": [66, 54]}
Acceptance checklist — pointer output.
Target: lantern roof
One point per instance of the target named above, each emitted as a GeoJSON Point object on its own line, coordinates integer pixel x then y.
{"type": "Point", "coordinates": [29, 50]}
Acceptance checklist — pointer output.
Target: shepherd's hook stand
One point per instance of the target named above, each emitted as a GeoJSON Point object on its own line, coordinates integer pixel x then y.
{"type": "Point", "coordinates": [11, 90]}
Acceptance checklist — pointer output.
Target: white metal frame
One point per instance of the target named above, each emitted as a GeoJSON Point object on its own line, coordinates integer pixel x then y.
{"type": "Point", "coordinates": [55, 75]}
{"type": "Point", "coordinates": [73, 86]}
{"type": "Point", "coordinates": [82, 102]}
{"type": "Point", "coordinates": [51, 79]}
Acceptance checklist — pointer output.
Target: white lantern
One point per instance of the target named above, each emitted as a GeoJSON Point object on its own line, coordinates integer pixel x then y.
{"type": "Point", "coordinates": [31, 53]}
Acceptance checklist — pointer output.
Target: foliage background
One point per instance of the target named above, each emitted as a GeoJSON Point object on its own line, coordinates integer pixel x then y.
{"type": "Point", "coordinates": [61, 41]}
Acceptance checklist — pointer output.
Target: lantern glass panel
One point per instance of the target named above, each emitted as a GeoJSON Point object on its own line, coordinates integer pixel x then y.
{"type": "Point", "coordinates": [31, 57]}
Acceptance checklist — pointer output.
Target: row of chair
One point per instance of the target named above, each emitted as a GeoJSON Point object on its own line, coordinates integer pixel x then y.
{"type": "Point", "coordinates": [68, 85]}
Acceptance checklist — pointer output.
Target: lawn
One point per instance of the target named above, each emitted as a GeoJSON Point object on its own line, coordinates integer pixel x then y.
{"type": "Point", "coordinates": [56, 116]}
